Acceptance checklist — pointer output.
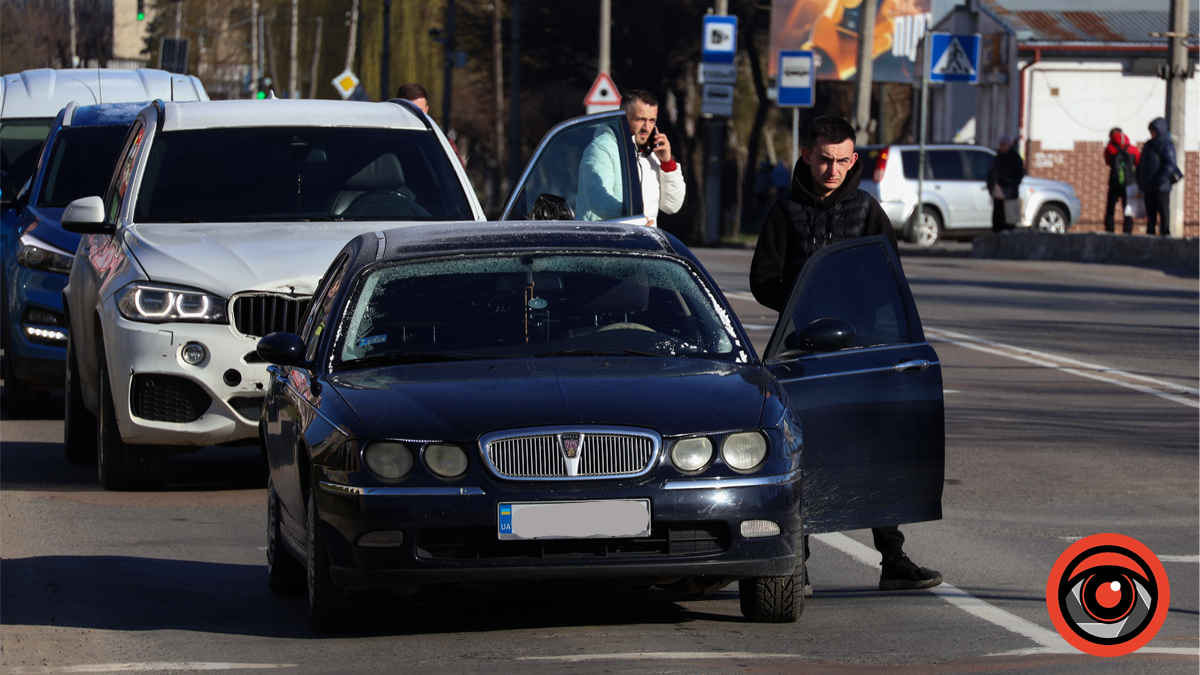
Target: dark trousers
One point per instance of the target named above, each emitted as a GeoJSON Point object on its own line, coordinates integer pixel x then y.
{"type": "Point", "coordinates": [998, 221]}
{"type": "Point", "coordinates": [1116, 192]}
{"type": "Point", "coordinates": [1156, 207]}
{"type": "Point", "coordinates": [889, 541]}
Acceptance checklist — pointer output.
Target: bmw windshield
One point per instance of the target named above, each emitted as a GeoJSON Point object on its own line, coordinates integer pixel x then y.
{"type": "Point", "coordinates": [299, 174]}
{"type": "Point", "coordinates": [532, 305]}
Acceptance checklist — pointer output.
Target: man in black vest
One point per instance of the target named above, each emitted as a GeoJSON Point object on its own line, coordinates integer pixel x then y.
{"type": "Point", "coordinates": [824, 207]}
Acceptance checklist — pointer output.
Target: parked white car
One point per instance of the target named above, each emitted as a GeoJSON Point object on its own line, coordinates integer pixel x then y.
{"type": "Point", "coordinates": [956, 199]}
{"type": "Point", "coordinates": [213, 232]}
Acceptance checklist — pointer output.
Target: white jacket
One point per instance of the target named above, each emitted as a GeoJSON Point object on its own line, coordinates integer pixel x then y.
{"type": "Point", "coordinates": [601, 196]}
{"type": "Point", "coordinates": [661, 190]}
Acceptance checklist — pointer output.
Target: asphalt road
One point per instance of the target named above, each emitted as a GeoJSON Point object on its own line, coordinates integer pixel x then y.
{"type": "Point", "coordinates": [1071, 409]}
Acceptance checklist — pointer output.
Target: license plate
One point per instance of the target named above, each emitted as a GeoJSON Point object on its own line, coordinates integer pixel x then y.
{"type": "Point", "coordinates": [574, 520]}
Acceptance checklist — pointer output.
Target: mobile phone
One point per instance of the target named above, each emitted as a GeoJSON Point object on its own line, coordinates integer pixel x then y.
{"type": "Point", "coordinates": [650, 143]}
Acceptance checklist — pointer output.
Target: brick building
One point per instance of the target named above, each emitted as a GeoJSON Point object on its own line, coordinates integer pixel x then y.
{"type": "Point", "coordinates": [1059, 78]}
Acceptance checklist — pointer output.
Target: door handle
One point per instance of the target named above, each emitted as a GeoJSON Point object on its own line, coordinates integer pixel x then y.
{"type": "Point", "coordinates": [912, 366]}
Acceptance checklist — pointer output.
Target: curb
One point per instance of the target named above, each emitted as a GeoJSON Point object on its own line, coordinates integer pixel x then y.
{"type": "Point", "coordinates": [1092, 247]}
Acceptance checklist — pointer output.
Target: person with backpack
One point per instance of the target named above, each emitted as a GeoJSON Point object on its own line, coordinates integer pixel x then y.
{"type": "Point", "coordinates": [1121, 156]}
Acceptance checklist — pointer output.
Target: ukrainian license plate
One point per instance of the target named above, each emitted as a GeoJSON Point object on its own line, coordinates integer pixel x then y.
{"type": "Point", "coordinates": [574, 520]}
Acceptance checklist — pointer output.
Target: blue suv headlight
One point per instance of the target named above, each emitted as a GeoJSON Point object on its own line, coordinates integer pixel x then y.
{"type": "Point", "coordinates": [159, 303]}
{"type": "Point", "coordinates": [38, 255]}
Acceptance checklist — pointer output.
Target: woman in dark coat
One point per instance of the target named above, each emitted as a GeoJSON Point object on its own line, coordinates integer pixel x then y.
{"type": "Point", "coordinates": [1154, 175]}
{"type": "Point", "coordinates": [1006, 173]}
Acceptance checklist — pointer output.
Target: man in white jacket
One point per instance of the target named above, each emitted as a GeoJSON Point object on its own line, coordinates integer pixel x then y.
{"type": "Point", "coordinates": [663, 189]}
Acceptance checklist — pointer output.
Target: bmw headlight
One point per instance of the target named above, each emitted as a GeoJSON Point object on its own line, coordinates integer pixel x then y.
{"type": "Point", "coordinates": [157, 303]}
{"type": "Point", "coordinates": [390, 460]}
{"type": "Point", "coordinates": [745, 450]}
{"type": "Point", "coordinates": [691, 454]}
{"type": "Point", "coordinates": [447, 461]}
{"type": "Point", "coordinates": [38, 255]}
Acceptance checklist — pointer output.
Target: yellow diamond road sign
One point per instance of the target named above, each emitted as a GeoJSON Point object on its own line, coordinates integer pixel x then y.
{"type": "Point", "coordinates": [345, 83]}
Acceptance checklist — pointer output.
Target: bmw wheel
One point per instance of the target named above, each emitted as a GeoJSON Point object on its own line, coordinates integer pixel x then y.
{"type": "Point", "coordinates": [330, 609]}
{"type": "Point", "coordinates": [924, 231]}
{"type": "Point", "coordinates": [773, 599]}
{"type": "Point", "coordinates": [1052, 219]}
{"type": "Point", "coordinates": [122, 466]}
{"type": "Point", "coordinates": [79, 425]}
{"type": "Point", "coordinates": [285, 574]}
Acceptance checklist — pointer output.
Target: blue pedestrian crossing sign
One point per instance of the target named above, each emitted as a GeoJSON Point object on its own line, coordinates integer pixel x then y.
{"type": "Point", "coordinates": [954, 58]}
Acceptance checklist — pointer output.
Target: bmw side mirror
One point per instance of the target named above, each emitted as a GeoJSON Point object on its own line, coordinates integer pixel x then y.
{"type": "Point", "coordinates": [85, 216]}
{"type": "Point", "coordinates": [826, 335]}
{"type": "Point", "coordinates": [283, 349]}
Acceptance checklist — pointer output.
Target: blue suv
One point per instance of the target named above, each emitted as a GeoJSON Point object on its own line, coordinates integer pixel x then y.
{"type": "Point", "coordinates": [77, 160]}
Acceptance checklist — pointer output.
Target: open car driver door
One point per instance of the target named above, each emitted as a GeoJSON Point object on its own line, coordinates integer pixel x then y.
{"type": "Point", "coordinates": [850, 353]}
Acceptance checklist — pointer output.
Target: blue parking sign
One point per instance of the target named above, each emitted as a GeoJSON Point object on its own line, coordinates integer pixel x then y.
{"type": "Point", "coordinates": [954, 58]}
{"type": "Point", "coordinates": [720, 38]}
{"type": "Point", "coordinates": [795, 79]}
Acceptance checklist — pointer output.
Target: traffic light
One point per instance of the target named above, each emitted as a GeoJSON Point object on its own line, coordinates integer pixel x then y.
{"type": "Point", "coordinates": [141, 10]}
{"type": "Point", "coordinates": [264, 85]}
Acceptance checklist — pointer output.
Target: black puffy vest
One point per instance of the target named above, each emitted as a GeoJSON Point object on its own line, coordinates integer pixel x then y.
{"type": "Point", "coordinates": [811, 227]}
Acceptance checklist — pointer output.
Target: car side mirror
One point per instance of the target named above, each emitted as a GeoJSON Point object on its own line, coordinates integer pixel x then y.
{"type": "Point", "coordinates": [85, 216]}
{"type": "Point", "coordinates": [826, 335]}
{"type": "Point", "coordinates": [284, 349]}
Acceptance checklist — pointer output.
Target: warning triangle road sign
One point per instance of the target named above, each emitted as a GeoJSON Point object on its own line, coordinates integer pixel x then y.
{"type": "Point", "coordinates": [603, 95]}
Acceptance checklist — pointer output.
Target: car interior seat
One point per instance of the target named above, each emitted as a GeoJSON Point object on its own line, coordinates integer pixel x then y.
{"type": "Point", "coordinates": [384, 173]}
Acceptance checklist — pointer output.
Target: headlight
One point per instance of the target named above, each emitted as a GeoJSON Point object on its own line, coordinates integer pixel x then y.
{"type": "Point", "coordinates": [388, 459]}
{"type": "Point", "coordinates": [38, 255]}
{"type": "Point", "coordinates": [692, 454]}
{"type": "Point", "coordinates": [446, 461]}
{"type": "Point", "coordinates": [744, 451]}
{"type": "Point", "coordinates": [157, 303]}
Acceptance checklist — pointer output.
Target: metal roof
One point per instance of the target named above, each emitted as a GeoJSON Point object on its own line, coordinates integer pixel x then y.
{"type": "Point", "coordinates": [1057, 25]}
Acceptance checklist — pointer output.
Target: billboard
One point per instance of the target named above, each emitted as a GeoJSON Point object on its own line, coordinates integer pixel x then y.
{"type": "Point", "coordinates": [830, 29]}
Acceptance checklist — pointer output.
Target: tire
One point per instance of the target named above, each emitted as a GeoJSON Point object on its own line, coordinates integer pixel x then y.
{"type": "Point", "coordinates": [926, 230]}
{"type": "Point", "coordinates": [1052, 219]}
{"type": "Point", "coordinates": [773, 599]}
{"type": "Point", "coordinates": [330, 609]}
{"type": "Point", "coordinates": [285, 574]}
{"type": "Point", "coordinates": [79, 425]}
{"type": "Point", "coordinates": [122, 466]}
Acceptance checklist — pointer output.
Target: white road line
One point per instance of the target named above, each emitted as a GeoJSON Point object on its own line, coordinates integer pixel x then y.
{"type": "Point", "coordinates": [1194, 559]}
{"type": "Point", "coordinates": [661, 656]}
{"type": "Point", "coordinates": [145, 667]}
{"type": "Point", "coordinates": [1048, 641]}
{"type": "Point", "coordinates": [1089, 370]}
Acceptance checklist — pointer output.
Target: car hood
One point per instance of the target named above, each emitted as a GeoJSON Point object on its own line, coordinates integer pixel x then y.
{"type": "Point", "coordinates": [462, 401]}
{"type": "Point", "coordinates": [45, 223]}
{"type": "Point", "coordinates": [231, 258]}
{"type": "Point", "coordinates": [1040, 184]}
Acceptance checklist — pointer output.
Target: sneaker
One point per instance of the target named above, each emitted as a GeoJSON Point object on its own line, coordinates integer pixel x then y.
{"type": "Point", "coordinates": [900, 573]}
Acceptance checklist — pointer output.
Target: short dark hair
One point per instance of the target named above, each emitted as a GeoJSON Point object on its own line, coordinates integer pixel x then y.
{"type": "Point", "coordinates": [411, 91]}
{"type": "Point", "coordinates": [832, 128]}
{"type": "Point", "coordinates": [637, 96]}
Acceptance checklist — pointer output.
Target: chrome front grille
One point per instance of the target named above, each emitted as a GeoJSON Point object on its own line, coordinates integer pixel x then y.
{"type": "Point", "coordinates": [261, 314]}
{"type": "Point", "coordinates": [569, 454]}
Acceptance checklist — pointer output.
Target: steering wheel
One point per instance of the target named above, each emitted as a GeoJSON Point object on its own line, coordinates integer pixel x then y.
{"type": "Point", "coordinates": [626, 325]}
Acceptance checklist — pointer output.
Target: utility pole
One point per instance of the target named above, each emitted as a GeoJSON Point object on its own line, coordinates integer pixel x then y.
{"type": "Point", "coordinates": [316, 59]}
{"type": "Point", "coordinates": [498, 95]}
{"type": "Point", "coordinates": [255, 68]}
{"type": "Point", "coordinates": [605, 36]}
{"type": "Point", "coordinates": [1177, 66]}
{"type": "Point", "coordinates": [74, 53]}
{"type": "Point", "coordinates": [451, 57]}
{"type": "Point", "coordinates": [714, 151]}
{"type": "Point", "coordinates": [293, 52]}
{"type": "Point", "coordinates": [385, 65]}
{"type": "Point", "coordinates": [926, 64]}
{"type": "Point", "coordinates": [178, 22]}
{"type": "Point", "coordinates": [866, 72]}
{"type": "Point", "coordinates": [514, 95]}
{"type": "Point", "coordinates": [352, 43]}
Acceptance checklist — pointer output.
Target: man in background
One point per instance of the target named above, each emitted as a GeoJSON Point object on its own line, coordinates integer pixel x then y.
{"type": "Point", "coordinates": [1154, 176]}
{"type": "Point", "coordinates": [1121, 156]}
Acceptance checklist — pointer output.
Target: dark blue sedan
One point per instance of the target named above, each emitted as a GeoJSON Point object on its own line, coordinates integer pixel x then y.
{"type": "Point", "coordinates": [577, 403]}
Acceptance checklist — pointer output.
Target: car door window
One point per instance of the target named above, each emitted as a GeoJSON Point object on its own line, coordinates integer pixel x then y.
{"type": "Point", "coordinates": [120, 181]}
{"type": "Point", "coordinates": [911, 159]}
{"type": "Point", "coordinates": [946, 165]}
{"type": "Point", "coordinates": [322, 305]}
{"type": "Point", "coordinates": [584, 170]}
{"type": "Point", "coordinates": [857, 286]}
{"type": "Point", "coordinates": [978, 164]}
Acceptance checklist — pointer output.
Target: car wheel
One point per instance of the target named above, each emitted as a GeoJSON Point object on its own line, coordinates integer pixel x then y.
{"type": "Point", "coordinates": [122, 466]}
{"type": "Point", "coordinates": [330, 608]}
{"type": "Point", "coordinates": [773, 599]}
{"type": "Point", "coordinates": [79, 425]}
{"type": "Point", "coordinates": [1052, 219]}
{"type": "Point", "coordinates": [285, 574]}
{"type": "Point", "coordinates": [924, 231]}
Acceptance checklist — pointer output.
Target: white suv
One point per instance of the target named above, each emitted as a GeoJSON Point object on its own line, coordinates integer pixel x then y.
{"type": "Point", "coordinates": [213, 232]}
{"type": "Point", "coordinates": [955, 195]}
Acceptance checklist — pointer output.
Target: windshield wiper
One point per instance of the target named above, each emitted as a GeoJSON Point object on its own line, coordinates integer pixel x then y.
{"type": "Point", "coordinates": [601, 351]}
{"type": "Point", "coordinates": [410, 357]}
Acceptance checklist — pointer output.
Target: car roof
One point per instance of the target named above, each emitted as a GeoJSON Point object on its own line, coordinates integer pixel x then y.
{"type": "Point", "coordinates": [103, 114]}
{"type": "Point", "coordinates": [288, 113]}
{"type": "Point", "coordinates": [44, 92]}
{"type": "Point", "coordinates": [422, 239]}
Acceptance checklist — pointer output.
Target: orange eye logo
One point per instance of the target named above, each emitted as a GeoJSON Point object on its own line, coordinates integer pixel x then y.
{"type": "Point", "coordinates": [1108, 595]}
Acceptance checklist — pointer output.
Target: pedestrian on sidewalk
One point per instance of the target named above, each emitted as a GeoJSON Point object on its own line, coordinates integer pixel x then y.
{"type": "Point", "coordinates": [1121, 156]}
{"type": "Point", "coordinates": [1155, 174]}
{"type": "Point", "coordinates": [1004, 181]}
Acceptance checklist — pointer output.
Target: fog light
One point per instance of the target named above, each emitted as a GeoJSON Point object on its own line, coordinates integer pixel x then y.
{"type": "Point", "coordinates": [757, 529]}
{"type": "Point", "coordinates": [446, 461]}
{"type": "Point", "coordinates": [193, 353]}
{"type": "Point", "coordinates": [388, 459]}
{"type": "Point", "coordinates": [45, 334]}
{"type": "Point", "coordinates": [382, 539]}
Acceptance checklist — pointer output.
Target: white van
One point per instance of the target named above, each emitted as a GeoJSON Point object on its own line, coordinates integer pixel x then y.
{"type": "Point", "coordinates": [30, 100]}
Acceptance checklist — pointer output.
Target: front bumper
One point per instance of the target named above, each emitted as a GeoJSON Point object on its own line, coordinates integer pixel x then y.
{"type": "Point", "coordinates": [450, 534]}
{"type": "Point", "coordinates": [229, 376]}
{"type": "Point", "coordinates": [40, 363]}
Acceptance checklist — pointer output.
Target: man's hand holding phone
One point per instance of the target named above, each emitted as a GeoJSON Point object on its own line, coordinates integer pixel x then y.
{"type": "Point", "coordinates": [658, 144]}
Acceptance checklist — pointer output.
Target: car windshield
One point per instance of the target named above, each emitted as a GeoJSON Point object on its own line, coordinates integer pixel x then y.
{"type": "Point", "coordinates": [81, 163]}
{"type": "Point", "coordinates": [20, 141]}
{"type": "Point", "coordinates": [523, 305]}
{"type": "Point", "coordinates": [299, 174]}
